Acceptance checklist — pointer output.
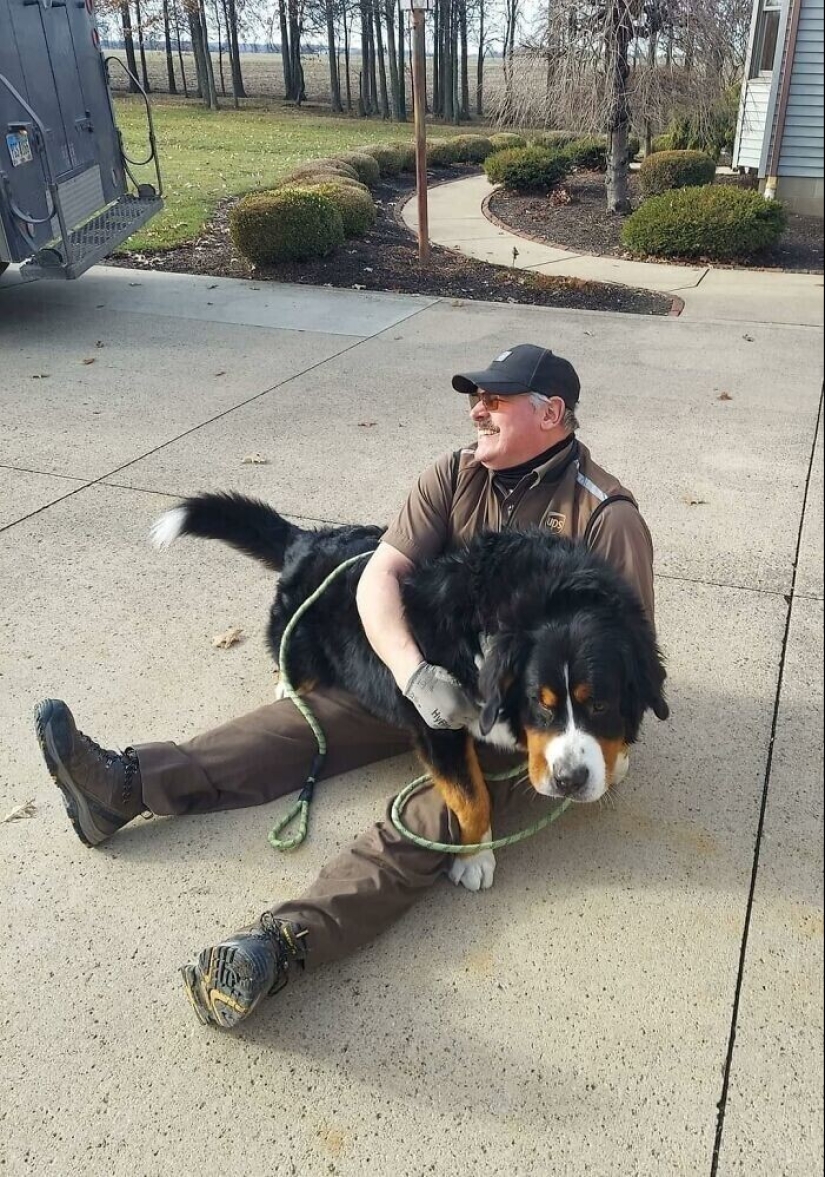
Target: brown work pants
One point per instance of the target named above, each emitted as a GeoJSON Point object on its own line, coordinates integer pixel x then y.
{"type": "Point", "coordinates": [267, 754]}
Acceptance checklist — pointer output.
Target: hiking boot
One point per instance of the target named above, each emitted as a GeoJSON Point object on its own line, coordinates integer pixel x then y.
{"type": "Point", "coordinates": [101, 788]}
{"type": "Point", "coordinates": [227, 982]}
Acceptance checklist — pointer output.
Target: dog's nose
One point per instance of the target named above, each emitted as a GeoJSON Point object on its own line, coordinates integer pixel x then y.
{"type": "Point", "coordinates": [571, 780]}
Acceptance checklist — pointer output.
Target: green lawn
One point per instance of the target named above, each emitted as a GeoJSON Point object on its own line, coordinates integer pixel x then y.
{"type": "Point", "coordinates": [206, 156]}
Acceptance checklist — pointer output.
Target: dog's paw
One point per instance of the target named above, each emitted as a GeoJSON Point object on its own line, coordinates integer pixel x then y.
{"type": "Point", "coordinates": [474, 871]}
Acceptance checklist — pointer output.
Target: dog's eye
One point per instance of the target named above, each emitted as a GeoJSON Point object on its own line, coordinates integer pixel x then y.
{"type": "Point", "coordinates": [597, 707]}
{"type": "Point", "coordinates": [547, 712]}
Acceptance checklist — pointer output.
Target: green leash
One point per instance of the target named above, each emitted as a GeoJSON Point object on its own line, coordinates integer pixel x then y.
{"type": "Point", "coordinates": [301, 807]}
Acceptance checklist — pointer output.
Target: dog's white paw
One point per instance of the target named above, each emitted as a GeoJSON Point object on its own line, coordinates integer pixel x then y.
{"type": "Point", "coordinates": [474, 871]}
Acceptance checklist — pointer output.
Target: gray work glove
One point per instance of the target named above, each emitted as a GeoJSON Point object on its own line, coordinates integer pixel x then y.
{"type": "Point", "coordinates": [440, 699]}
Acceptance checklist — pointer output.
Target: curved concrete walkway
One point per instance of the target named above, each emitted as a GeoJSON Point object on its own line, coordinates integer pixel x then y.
{"type": "Point", "coordinates": [456, 221]}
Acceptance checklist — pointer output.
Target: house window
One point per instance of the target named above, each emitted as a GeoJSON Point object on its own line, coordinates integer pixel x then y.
{"type": "Point", "coordinates": [767, 34]}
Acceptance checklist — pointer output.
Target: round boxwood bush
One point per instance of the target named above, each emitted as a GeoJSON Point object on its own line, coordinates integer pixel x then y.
{"type": "Point", "coordinates": [405, 150]}
{"type": "Point", "coordinates": [506, 140]}
{"type": "Point", "coordinates": [527, 169]}
{"type": "Point", "coordinates": [588, 153]}
{"type": "Point", "coordinates": [555, 140]}
{"type": "Point", "coordinates": [715, 222]}
{"type": "Point", "coordinates": [471, 148]}
{"type": "Point", "coordinates": [365, 166]}
{"type": "Point", "coordinates": [387, 158]}
{"type": "Point", "coordinates": [324, 167]}
{"type": "Point", "coordinates": [441, 153]}
{"type": "Point", "coordinates": [675, 169]}
{"type": "Point", "coordinates": [304, 179]}
{"type": "Point", "coordinates": [356, 207]}
{"type": "Point", "coordinates": [288, 225]}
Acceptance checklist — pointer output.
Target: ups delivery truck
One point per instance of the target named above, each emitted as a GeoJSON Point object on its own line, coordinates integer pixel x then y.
{"type": "Point", "coordinates": [68, 192]}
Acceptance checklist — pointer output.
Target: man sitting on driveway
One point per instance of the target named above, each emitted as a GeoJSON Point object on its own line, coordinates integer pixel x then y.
{"type": "Point", "coordinates": [526, 467]}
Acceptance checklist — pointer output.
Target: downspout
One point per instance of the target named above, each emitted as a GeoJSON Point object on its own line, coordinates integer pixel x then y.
{"type": "Point", "coordinates": [772, 179]}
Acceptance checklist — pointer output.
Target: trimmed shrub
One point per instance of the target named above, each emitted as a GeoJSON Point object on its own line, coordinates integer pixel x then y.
{"type": "Point", "coordinates": [441, 153]}
{"type": "Point", "coordinates": [527, 169]}
{"type": "Point", "coordinates": [323, 167]}
{"type": "Point", "coordinates": [290, 225]}
{"type": "Point", "coordinates": [303, 180]}
{"type": "Point", "coordinates": [387, 158]}
{"type": "Point", "coordinates": [675, 169]}
{"type": "Point", "coordinates": [471, 148]}
{"type": "Point", "coordinates": [714, 222]}
{"type": "Point", "coordinates": [357, 208]}
{"type": "Point", "coordinates": [406, 153]}
{"type": "Point", "coordinates": [506, 140]}
{"type": "Point", "coordinates": [555, 140]}
{"type": "Point", "coordinates": [589, 153]}
{"type": "Point", "coordinates": [365, 167]}
{"type": "Point", "coordinates": [662, 143]}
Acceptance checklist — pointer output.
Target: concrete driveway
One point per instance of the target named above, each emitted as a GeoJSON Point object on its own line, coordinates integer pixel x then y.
{"type": "Point", "coordinates": [641, 991]}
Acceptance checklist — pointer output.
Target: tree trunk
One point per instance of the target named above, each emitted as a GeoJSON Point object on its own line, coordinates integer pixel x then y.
{"type": "Point", "coordinates": [129, 46]}
{"type": "Point", "coordinates": [395, 97]}
{"type": "Point", "coordinates": [235, 50]}
{"type": "Point", "coordinates": [220, 50]}
{"type": "Point", "coordinates": [619, 33]}
{"type": "Point", "coordinates": [480, 62]}
{"type": "Point", "coordinates": [199, 30]}
{"type": "Point", "coordinates": [382, 69]}
{"type": "Point", "coordinates": [334, 83]}
{"type": "Point", "coordinates": [465, 73]}
{"type": "Point", "coordinates": [402, 68]}
{"type": "Point", "coordinates": [180, 52]}
{"type": "Point", "coordinates": [197, 52]}
{"type": "Point", "coordinates": [171, 85]}
{"type": "Point", "coordinates": [296, 68]}
{"type": "Point", "coordinates": [286, 53]}
{"type": "Point", "coordinates": [142, 47]}
{"type": "Point", "coordinates": [437, 22]}
{"type": "Point", "coordinates": [347, 63]}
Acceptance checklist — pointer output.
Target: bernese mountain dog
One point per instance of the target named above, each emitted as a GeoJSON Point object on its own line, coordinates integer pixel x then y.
{"type": "Point", "coordinates": [547, 638]}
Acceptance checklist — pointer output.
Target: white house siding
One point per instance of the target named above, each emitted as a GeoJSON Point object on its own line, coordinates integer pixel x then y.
{"type": "Point", "coordinates": [801, 152]}
{"type": "Point", "coordinates": [753, 120]}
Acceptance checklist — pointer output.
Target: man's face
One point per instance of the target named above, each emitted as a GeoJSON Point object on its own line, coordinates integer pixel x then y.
{"type": "Point", "coordinates": [512, 429]}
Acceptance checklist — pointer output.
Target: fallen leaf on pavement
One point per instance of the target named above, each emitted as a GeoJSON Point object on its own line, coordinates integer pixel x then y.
{"type": "Point", "coordinates": [749, 338]}
{"type": "Point", "coordinates": [89, 360]}
{"type": "Point", "coordinates": [27, 809]}
{"type": "Point", "coordinates": [724, 396]}
{"type": "Point", "coordinates": [254, 460]}
{"type": "Point", "coordinates": [694, 502]}
{"type": "Point", "coordinates": [366, 424]}
{"type": "Point", "coordinates": [223, 641]}
{"type": "Point", "coordinates": [219, 374]}
{"type": "Point", "coordinates": [42, 376]}
{"type": "Point", "coordinates": [100, 343]}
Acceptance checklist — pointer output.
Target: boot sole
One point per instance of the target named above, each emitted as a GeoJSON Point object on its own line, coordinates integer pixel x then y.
{"type": "Point", "coordinates": [77, 808]}
{"type": "Point", "coordinates": [218, 987]}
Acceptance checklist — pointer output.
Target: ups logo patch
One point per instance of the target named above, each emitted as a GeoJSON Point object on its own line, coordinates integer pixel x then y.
{"type": "Point", "coordinates": [555, 521]}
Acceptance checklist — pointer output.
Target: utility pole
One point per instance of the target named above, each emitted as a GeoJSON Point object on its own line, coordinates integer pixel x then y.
{"type": "Point", "coordinates": [419, 63]}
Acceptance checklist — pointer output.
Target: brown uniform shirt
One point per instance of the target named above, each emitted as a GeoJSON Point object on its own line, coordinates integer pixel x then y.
{"type": "Point", "coordinates": [454, 499]}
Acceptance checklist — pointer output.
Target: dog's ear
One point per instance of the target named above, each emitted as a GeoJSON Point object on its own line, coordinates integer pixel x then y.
{"type": "Point", "coordinates": [499, 670]}
{"type": "Point", "coordinates": [646, 673]}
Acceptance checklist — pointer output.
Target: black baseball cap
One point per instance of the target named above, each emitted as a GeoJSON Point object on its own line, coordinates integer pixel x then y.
{"type": "Point", "coordinates": [524, 368]}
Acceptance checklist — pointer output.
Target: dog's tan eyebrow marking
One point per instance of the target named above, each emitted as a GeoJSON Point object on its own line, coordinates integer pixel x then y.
{"type": "Point", "coordinates": [582, 693]}
{"type": "Point", "coordinates": [548, 697]}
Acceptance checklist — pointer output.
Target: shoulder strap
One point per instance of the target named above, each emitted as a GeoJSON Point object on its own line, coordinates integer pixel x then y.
{"type": "Point", "coordinates": [454, 470]}
{"type": "Point", "coordinates": [616, 498]}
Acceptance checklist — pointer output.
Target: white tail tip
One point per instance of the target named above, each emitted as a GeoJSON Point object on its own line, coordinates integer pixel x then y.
{"type": "Point", "coordinates": [166, 529]}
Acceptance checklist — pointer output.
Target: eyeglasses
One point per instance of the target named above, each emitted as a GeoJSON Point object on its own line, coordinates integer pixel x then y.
{"type": "Point", "coordinates": [492, 403]}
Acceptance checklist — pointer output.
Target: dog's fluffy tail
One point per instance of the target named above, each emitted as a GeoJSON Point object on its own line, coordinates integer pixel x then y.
{"type": "Point", "coordinates": [247, 524]}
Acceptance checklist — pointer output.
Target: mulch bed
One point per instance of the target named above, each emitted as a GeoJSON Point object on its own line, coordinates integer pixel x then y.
{"type": "Point", "coordinates": [576, 218]}
{"type": "Point", "coordinates": [386, 258]}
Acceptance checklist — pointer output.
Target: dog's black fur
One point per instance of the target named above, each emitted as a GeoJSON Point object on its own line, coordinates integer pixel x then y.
{"type": "Point", "coordinates": [541, 601]}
